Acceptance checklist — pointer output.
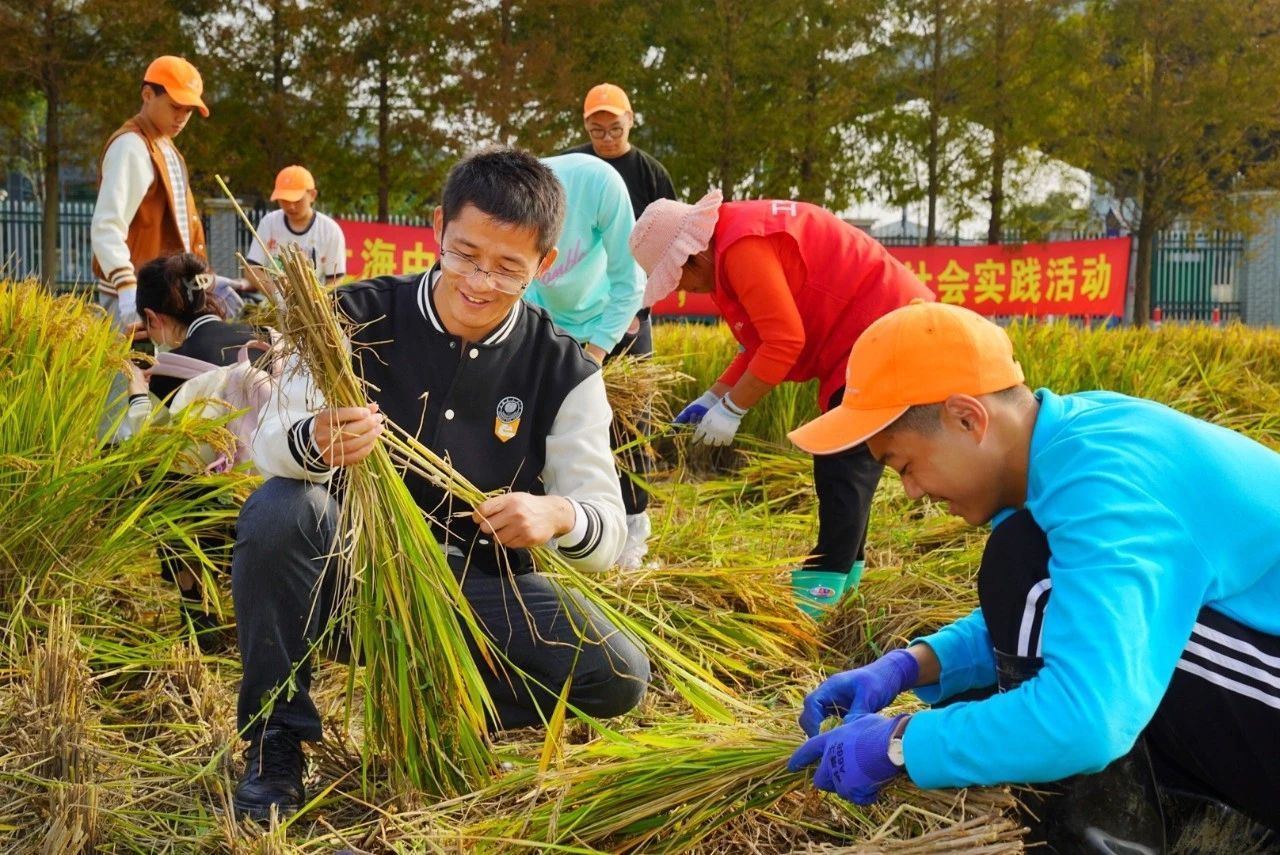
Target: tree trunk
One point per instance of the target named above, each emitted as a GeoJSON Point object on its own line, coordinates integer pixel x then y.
{"type": "Point", "coordinates": [935, 120]}
{"type": "Point", "coordinates": [52, 189]}
{"type": "Point", "coordinates": [1142, 276]}
{"type": "Point", "coordinates": [1147, 227]}
{"type": "Point", "coordinates": [995, 226]}
{"type": "Point", "coordinates": [727, 85]}
{"type": "Point", "coordinates": [384, 144]}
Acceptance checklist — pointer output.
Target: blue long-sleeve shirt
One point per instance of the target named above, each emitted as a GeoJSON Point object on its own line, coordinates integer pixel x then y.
{"type": "Point", "coordinates": [594, 288]}
{"type": "Point", "coordinates": [1150, 516]}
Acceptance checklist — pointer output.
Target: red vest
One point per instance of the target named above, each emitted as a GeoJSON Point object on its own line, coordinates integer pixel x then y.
{"type": "Point", "coordinates": [851, 281]}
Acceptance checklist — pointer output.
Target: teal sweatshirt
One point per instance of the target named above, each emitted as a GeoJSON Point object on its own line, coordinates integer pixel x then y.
{"type": "Point", "coordinates": [1150, 516]}
{"type": "Point", "coordinates": [594, 288]}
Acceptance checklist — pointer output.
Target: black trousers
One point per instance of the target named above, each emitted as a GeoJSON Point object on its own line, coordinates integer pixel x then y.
{"type": "Point", "coordinates": [284, 591]}
{"type": "Point", "coordinates": [845, 484]}
{"type": "Point", "coordinates": [1217, 730]}
{"type": "Point", "coordinates": [634, 497]}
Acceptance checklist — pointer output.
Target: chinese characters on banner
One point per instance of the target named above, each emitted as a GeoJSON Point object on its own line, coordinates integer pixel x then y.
{"type": "Point", "coordinates": [377, 249]}
{"type": "Point", "coordinates": [1085, 277]}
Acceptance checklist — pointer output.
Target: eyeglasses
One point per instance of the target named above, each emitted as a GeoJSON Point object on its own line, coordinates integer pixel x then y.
{"type": "Point", "coordinates": [614, 133]}
{"type": "Point", "coordinates": [460, 265]}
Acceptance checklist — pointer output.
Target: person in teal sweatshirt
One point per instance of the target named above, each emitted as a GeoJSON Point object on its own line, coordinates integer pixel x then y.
{"type": "Point", "coordinates": [1127, 644]}
{"type": "Point", "coordinates": [593, 292]}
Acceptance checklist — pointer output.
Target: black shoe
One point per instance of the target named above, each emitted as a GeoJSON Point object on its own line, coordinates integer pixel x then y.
{"type": "Point", "coordinates": [211, 636]}
{"type": "Point", "coordinates": [272, 776]}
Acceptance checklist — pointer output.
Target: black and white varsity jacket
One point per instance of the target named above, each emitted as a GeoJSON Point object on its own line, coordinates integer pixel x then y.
{"type": "Point", "coordinates": [524, 410]}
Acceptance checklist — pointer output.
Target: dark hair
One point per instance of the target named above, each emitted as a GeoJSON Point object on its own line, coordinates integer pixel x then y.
{"type": "Point", "coordinates": [511, 186]}
{"type": "Point", "coordinates": [173, 285]}
{"type": "Point", "coordinates": [155, 87]}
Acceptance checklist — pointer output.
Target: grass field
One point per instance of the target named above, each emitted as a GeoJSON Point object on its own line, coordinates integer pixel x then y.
{"type": "Point", "coordinates": [117, 734]}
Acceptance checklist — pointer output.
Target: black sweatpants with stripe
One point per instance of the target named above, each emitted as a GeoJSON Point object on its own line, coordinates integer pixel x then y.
{"type": "Point", "coordinates": [1217, 730]}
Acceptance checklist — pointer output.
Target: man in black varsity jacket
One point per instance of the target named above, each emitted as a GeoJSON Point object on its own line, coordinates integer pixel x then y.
{"type": "Point", "coordinates": [514, 403]}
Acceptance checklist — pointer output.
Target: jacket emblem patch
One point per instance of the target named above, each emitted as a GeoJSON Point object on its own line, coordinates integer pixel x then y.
{"type": "Point", "coordinates": [508, 420]}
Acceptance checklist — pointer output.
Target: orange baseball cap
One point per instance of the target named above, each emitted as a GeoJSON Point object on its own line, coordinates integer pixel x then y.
{"type": "Point", "coordinates": [292, 184]}
{"type": "Point", "coordinates": [921, 353]}
{"type": "Point", "coordinates": [180, 80]}
{"type": "Point", "coordinates": [608, 98]}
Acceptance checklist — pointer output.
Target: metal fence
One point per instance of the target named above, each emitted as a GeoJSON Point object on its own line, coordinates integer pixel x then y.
{"type": "Point", "coordinates": [21, 226]}
{"type": "Point", "coordinates": [1192, 273]}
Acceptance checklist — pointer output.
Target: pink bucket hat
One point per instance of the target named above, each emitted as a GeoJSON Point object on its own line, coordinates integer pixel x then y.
{"type": "Point", "coordinates": [666, 235]}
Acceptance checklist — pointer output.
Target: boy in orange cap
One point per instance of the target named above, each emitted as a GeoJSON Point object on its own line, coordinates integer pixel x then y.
{"type": "Point", "coordinates": [1125, 647]}
{"type": "Point", "coordinates": [145, 206]}
{"type": "Point", "coordinates": [297, 221]}
{"type": "Point", "coordinates": [797, 286]}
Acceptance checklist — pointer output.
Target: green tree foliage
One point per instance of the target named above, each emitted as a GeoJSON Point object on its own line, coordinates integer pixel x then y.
{"type": "Point", "coordinates": [389, 79]}
{"type": "Point", "coordinates": [259, 61]}
{"type": "Point", "coordinates": [61, 55]}
{"type": "Point", "coordinates": [1015, 72]}
{"type": "Point", "coordinates": [758, 99]}
{"type": "Point", "coordinates": [924, 147]}
{"type": "Point", "coordinates": [1181, 108]}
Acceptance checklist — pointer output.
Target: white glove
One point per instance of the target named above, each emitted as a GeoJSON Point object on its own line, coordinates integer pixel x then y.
{"type": "Point", "coordinates": [127, 305]}
{"type": "Point", "coordinates": [693, 413]}
{"type": "Point", "coordinates": [720, 423]}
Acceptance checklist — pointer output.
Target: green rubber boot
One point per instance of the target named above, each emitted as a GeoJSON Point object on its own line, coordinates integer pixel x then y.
{"type": "Point", "coordinates": [855, 575]}
{"type": "Point", "coordinates": [817, 591]}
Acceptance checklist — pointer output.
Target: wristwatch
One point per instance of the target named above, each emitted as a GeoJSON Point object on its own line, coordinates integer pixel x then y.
{"type": "Point", "coordinates": [895, 743]}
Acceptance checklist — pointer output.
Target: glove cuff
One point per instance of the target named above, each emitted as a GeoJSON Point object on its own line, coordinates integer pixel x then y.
{"type": "Point", "coordinates": [905, 666]}
{"type": "Point", "coordinates": [733, 408]}
{"type": "Point", "coordinates": [871, 750]}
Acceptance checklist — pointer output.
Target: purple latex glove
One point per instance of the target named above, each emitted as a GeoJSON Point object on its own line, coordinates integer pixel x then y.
{"type": "Point", "coordinates": [863, 690]}
{"type": "Point", "coordinates": [854, 758]}
{"type": "Point", "coordinates": [693, 413]}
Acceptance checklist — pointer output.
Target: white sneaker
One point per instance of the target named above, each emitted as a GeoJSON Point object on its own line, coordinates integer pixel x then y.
{"type": "Point", "coordinates": [637, 545]}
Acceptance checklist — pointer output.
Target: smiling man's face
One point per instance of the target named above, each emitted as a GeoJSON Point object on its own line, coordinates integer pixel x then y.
{"type": "Point", "coordinates": [472, 308]}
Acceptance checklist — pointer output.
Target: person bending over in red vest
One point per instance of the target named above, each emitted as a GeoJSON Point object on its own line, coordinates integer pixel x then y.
{"type": "Point", "coordinates": [797, 286]}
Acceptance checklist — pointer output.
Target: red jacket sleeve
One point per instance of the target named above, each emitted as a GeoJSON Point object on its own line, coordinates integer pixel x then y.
{"type": "Point", "coordinates": [758, 281]}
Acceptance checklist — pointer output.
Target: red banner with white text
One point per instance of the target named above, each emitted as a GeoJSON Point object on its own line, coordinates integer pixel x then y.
{"type": "Point", "coordinates": [378, 249]}
{"type": "Point", "coordinates": [1086, 277]}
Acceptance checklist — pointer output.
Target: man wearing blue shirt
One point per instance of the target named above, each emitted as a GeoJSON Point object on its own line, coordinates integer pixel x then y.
{"type": "Point", "coordinates": [1128, 639]}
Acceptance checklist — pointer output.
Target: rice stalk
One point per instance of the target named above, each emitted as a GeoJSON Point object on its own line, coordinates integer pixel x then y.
{"type": "Point", "coordinates": [664, 789]}
{"type": "Point", "coordinates": [425, 702]}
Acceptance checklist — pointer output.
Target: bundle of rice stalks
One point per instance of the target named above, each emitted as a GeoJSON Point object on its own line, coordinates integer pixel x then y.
{"type": "Point", "coordinates": [638, 389]}
{"type": "Point", "coordinates": [663, 789]}
{"type": "Point", "coordinates": [49, 728]}
{"type": "Point", "coordinates": [739, 623]}
{"type": "Point", "coordinates": [425, 703]}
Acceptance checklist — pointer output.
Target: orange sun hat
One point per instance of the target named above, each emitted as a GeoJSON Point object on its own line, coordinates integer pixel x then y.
{"type": "Point", "coordinates": [921, 353]}
{"type": "Point", "coordinates": [180, 80]}
{"type": "Point", "coordinates": [292, 184]}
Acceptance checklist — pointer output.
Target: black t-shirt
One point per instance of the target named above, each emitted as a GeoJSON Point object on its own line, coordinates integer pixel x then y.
{"type": "Point", "coordinates": [645, 177]}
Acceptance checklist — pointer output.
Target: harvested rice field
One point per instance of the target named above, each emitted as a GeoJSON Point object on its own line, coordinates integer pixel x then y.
{"type": "Point", "coordinates": [117, 733]}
